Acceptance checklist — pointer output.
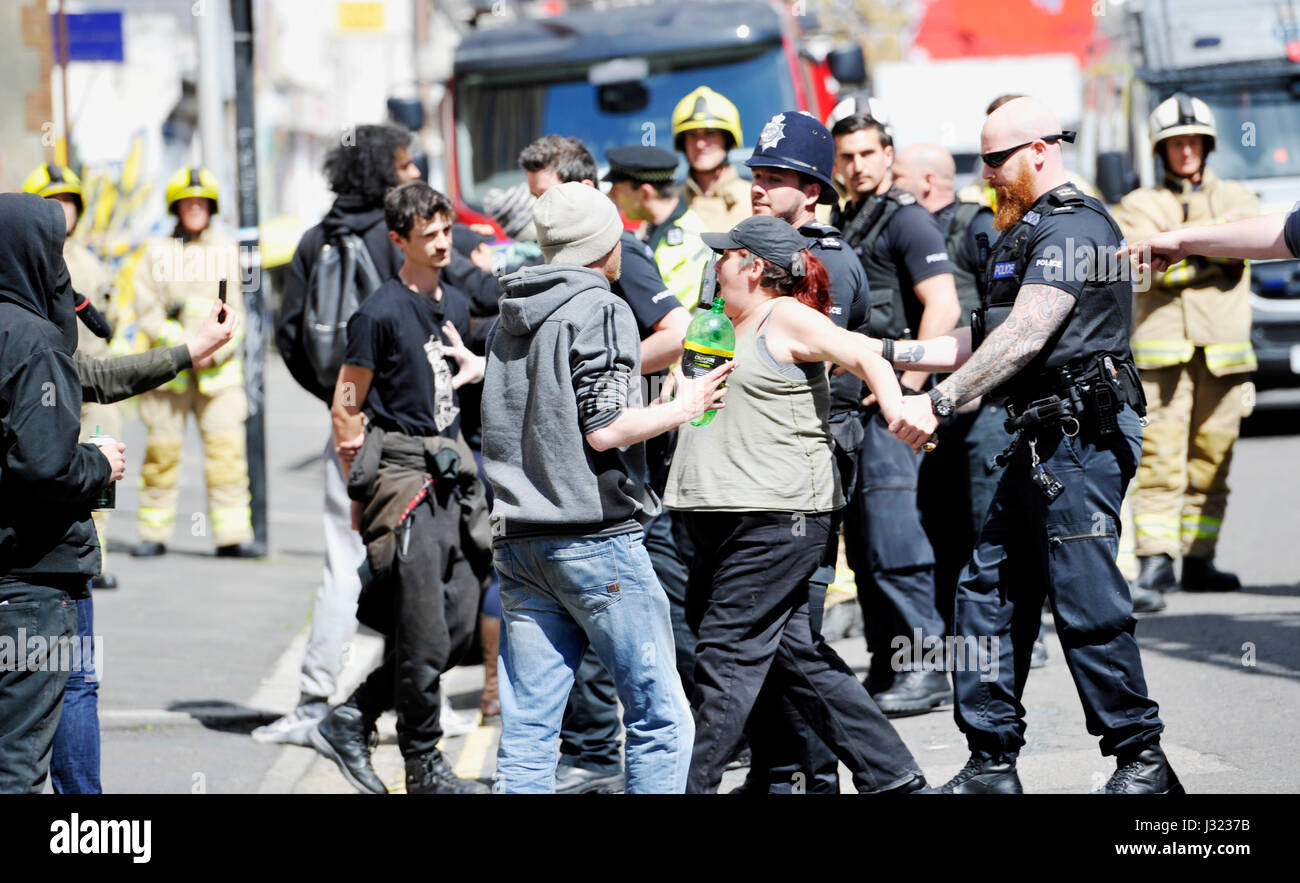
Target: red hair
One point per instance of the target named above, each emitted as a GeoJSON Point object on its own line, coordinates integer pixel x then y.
{"type": "Point", "coordinates": [814, 287]}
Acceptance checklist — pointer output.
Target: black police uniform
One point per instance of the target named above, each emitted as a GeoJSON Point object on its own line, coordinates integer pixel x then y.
{"type": "Point", "coordinates": [900, 244]}
{"type": "Point", "coordinates": [1053, 526]}
{"type": "Point", "coordinates": [957, 480]}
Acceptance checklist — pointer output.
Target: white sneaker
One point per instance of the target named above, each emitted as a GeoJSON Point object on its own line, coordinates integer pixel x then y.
{"type": "Point", "coordinates": [455, 723]}
{"type": "Point", "coordinates": [294, 726]}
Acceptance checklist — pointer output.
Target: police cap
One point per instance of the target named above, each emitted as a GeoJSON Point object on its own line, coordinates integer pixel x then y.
{"type": "Point", "coordinates": [648, 165]}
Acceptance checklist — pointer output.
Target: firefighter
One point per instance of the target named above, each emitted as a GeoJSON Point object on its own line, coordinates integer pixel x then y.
{"type": "Point", "coordinates": [1192, 345]}
{"type": "Point", "coordinates": [174, 285]}
{"type": "Point", "coordinates": [705, 126]}
{"type": "Point", "coordinates": [92, 281]}
{"type": "Point", "coordinates": [641, 185]}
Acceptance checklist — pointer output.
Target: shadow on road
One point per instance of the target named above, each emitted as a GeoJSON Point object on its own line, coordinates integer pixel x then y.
{"type": "Point", "coordinates": [1260, 644]}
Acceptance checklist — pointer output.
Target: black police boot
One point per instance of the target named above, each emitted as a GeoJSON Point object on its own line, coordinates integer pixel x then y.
{"type": "Point", "coordinates": [915, 692]}
{"type": "Point", "coordinates": [431, 774]}
{"type": "Point", "coordinates": [242, 550]}
{"type": "Point", "coordinates": [982, 775]}
{"type": "Point", "coordinates": [915, 785]}
{"type": "Point", "coordinates": [148, 549]}
{"type": "Point", "coordinates": [343, 736]}
{"type": "Point", "coordinates": [1156, 572]}
{"type": "Point", "coordinates": [573, 779]}
{"type": "Point", "coordinates": [103, 581]}
{"type": "Point", "coordinates": [1146, 600]}
{"type": "Point", "coordinates": [1146, 772]}
{"type": "Point", "coordinates": [1200, 575]}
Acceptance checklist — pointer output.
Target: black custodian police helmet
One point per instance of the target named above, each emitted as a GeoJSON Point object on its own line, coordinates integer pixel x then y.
{"type": "Point", "coordinates": [796, 141]}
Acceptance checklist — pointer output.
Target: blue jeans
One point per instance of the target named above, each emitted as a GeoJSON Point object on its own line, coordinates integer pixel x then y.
{"type": "Point", "coordinates": [557, 596]}
{"type": "Point", "coordinates": [74, 765]}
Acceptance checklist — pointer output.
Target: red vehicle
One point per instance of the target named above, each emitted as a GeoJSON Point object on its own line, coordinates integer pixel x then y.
{"type": "Point", "coordinates": [612, 78]}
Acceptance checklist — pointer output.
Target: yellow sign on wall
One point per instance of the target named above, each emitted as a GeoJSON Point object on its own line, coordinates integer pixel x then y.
{"type": "Point", "coordinates": [359, 16]}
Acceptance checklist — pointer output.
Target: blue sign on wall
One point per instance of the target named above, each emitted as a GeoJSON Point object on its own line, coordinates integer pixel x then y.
{"type": "Point", "coordinates": [92, 36]}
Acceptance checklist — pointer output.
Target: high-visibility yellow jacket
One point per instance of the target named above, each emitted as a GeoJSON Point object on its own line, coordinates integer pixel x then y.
{"type": "Point", "coordinates": [680, 253]}
{"type": "Point", "coordinates": [89, 278]}
{"type": "Point", "coordinates": [1198, 302]}
{"type": "Point", "coordinates": [726, 206]}
{"type": "Point", "coordinates": [175, 284]}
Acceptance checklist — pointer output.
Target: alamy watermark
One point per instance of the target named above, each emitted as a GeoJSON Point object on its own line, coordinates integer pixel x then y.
{"type": "Point", "coordinates": [76, 655]}
{"type": "Point", "coordinates": [948, 653]}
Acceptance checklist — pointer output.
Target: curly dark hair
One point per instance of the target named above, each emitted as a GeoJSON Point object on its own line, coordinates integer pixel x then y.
{"type": "Point", "coordinates": [569, 158]}
{"type": "Point", "coordinates": [363, 162]}
{"type": "Point", "coordinates": [414, 199]}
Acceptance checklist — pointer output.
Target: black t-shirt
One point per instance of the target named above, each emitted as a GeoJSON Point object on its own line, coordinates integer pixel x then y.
{"type": "Point", "coordinates": [640, 284]}
{"type": "Point", "coordinates": [1291, 232]}
{"type": "Point", "coordinates": [851, 307]}
{"type": "Point", "coordinates": [397, 334]}
{"type": "Point", "coordinates": [911, 246]}
{"type": "Point", "coordinates": [969, 255]}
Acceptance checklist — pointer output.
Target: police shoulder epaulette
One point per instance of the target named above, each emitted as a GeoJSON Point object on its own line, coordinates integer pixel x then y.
{"type": "Point", "coordinates": [902, 197]}
{"type": "Point", "coordinates": [830, 242]}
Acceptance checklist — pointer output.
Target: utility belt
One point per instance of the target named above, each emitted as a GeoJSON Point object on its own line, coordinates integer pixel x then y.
{"type": "Point", "coordinates": [1088, 394]}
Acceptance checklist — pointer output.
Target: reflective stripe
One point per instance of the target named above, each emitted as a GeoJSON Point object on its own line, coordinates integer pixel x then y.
{"type": "Point", "coordinates": [1221, 357]}
{"type": "Point", "coordinates": [1178, 275]}
{"type": "Point", "coordinates": [1157, 525]}
{"type": "Point", "coordinates": [219, 377]}
{"type": "Point", "coordinates": [232, 520]}
{"type": "Point", "coordinates": [1201, 525]}
{"type": "Point", "coordinates": [153, 517]}
{"type": "Point", "coordinates": [1161, 353]}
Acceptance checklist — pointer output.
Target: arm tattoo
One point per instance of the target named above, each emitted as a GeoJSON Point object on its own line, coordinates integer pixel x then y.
{"type": "Point", "coordinates": [1039, 312]}
{"type": "Point", "coordinates": [908, 352]}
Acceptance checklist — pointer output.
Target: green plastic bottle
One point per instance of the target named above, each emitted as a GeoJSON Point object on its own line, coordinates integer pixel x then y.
{"type": "Point", "coordinates": [710, 342]}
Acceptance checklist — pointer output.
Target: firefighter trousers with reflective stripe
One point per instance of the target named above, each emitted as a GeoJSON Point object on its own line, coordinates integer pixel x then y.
{"type": "Point", "coordinates": [1182, 482]}
{"type": "Point", "coordinates": [221, 419]}
{"type": "Point", "coordinates": [1064, 549]}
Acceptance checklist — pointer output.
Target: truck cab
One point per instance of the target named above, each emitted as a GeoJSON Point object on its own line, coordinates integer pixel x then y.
{"type": "Point", "coordinates": [1246, 66]}
{"type": "Point", "coordinates": [611, 78]}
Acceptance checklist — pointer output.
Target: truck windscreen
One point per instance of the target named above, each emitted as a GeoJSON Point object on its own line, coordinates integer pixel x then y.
{"type": "Point", "coordinates": [495, 121]}
{"type": "Point", "coordinates": [1259, 131]}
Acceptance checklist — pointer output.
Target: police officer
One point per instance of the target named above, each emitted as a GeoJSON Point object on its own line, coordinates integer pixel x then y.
{"type": "Point", "coordinates": [1054, 339]}
{"type": "Point", "coordinates": [912, 294]}
{"type": "Point", "coordinates": [705, 126]}
{"type": "Point", "coordinates": [642, 185]}
{"type": "Point", "coordinates": [1192, 345]}
{"type": "Point", "coordinates": [174, 284]}
{"type": "Point", "coordinates": [91, 281]}
{"type": "Point", "coordinates": [792, 167]}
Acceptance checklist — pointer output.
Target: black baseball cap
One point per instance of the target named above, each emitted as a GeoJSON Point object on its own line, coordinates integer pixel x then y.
{"type": "Point", "coordinates": [770, 238]}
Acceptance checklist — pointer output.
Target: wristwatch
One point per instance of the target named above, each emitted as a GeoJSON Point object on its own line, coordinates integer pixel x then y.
{"type": "Point", "coordinates": [940, 403]}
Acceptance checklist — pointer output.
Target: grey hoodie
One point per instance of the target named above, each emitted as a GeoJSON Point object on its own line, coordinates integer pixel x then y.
{"type": "Point", "coordinates": [564, 361]}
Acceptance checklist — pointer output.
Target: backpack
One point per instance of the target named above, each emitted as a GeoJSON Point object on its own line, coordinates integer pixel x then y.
{"type": "Point", "coordinates": [344, 275]}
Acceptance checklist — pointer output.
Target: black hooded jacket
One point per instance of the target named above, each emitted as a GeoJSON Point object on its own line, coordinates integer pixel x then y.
{"type": "Point", "coordinates": [48, 482]}
{"type": "Point", "coordinates": [349, 214]}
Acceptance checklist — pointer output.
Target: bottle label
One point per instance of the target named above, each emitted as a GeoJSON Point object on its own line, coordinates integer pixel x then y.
{"type": "Point", "coordinates": [698, 359]}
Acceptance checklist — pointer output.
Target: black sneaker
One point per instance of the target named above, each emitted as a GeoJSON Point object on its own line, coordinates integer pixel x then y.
{"type": "Point", "coordinates": [982, 775]}
{"type": "Point", "coordinates": [915, 692]}
{"type": "Point", "coordinates": [148, 549]}
{"type": "Point", "coordinates": [573, 779]}
{"type": "Point", "coordinates": [242, 550]}
{"type": "Point", "coordinates": [103, 581]}
{"type": "Point", "coordinates": [431, 774]}
{"type": "Point", "coordinates": [1156, 573]}
{"type": "Point", "coordinates": [344, 737]}
{"type": "Point", "coordinates": [1147, 772]}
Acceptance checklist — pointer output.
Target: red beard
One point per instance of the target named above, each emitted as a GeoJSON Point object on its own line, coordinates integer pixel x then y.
{"type": "Point", "coordinates": [1014, 199]}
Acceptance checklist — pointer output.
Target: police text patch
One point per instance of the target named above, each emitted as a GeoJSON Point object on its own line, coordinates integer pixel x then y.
{"type": "Point", "coordinates": [1004, 269]}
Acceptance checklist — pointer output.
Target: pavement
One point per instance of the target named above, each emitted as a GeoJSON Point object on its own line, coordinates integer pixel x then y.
{"type": "Point", "coordinates": [198, 651]}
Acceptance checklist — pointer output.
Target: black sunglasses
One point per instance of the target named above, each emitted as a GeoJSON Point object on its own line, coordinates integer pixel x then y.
{"type": "Point", "coordinates": [998, 157]}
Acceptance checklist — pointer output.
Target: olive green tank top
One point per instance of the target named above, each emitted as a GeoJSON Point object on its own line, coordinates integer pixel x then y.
{"type": "Point", "coordinates": [769, 449]}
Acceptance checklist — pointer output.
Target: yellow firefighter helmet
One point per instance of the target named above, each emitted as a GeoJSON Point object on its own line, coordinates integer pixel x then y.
{"type": "Point", "coordinates": [52, 180]}
{"type": "Point", "coordinates": [706, 109]}
{"type": "Point", "coordinates": [192, 181]}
